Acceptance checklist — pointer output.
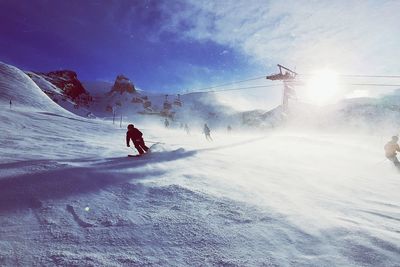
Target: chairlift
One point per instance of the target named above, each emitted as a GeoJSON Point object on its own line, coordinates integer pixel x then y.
{"type": "Point", "coordinates": [178, 101]}
{"type": "Point", "coordinates": [147, 104]}
{"type": "Point", "coordinates": [167, 105]}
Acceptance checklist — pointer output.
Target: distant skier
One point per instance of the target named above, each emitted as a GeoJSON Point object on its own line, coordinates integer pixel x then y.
{"type": "Point", "coordinates": [166, 123]}
{"type": "Point", "coordinates": [207, 132]}
{"type": "Point", "coordinates": [137, 139]}
{"type": "Point", "coordinates": [186, 127]}
{"type": "Point", "coordinates": [229, 129]}
{"type": "Point", "coordinates": [391, 148]}
{"type": "Point", "coordinates": [10, 103]}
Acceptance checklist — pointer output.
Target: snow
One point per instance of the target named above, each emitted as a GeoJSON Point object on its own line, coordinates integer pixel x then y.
{"type": "Point", "coordinates": [58, 96]}
{"type": "Point", "coordinates": [69, 196]}
{"type": "Point", "coordinates": [18, 87]}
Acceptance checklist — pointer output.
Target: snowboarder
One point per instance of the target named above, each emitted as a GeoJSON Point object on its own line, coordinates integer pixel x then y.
{"type": "Point", "coordinates": [391, 148]}
{"type": "Point", "coordinates": [207, 132]}
{"type": "Point", "coordinates": [137, 139]}
{"type": "Point", "coordinates": [166, 123]}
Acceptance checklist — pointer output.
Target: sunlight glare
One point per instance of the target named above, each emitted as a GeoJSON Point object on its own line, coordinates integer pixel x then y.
{"type": "Point", "coordinates": [323, 88]}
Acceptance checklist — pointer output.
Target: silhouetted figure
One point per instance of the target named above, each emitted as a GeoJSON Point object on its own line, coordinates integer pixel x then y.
{"type": "Point", "coordinates": [186, 127]}
{"type": "Point", "coordinates": [166, 123]}
{"type": "Point", "coordinates": [229, 129]}
{"type": "Point", "coordinates": [10, 103]}
{"type": "Point", "coordinates": [391, 149]}
{"type": "Point", "coordinates": [207, 132]}
{"type": "Point", "coordinates": [137, 139]}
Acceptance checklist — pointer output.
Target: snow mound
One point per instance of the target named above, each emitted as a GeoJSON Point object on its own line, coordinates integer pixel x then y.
{"type": "Point", "coordinates": [16, 86]}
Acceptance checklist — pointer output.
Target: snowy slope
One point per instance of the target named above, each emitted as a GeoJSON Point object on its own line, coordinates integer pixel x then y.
{"type": "Point", "coordinates": [16, 86]}
{"type": "Point", "coordinates": [58, 96]}
{"type": "Point", "coordinates": [69, 196]}
{"type": "Point", "coordinates": [254, 200]}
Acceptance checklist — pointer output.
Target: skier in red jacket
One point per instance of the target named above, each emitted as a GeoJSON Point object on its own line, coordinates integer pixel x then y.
{"type": "Point", "coordinates": [137, 139]}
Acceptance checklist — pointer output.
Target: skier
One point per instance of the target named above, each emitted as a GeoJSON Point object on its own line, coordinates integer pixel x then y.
{"type": "Point", "coordinates": [391, 148]}
{"type": "Point", "coordinates": [10, 103]}
{"type": "Point", "coordinates": [229, 129]}
{"type": "Point", "coordinates": [207, 132]}
{"type": "Point", "coordinates": [137, 139]}
{"type": "Point", "coordinates": [166, 123]}
{"type": "Point", "coordinates": [186, 127]}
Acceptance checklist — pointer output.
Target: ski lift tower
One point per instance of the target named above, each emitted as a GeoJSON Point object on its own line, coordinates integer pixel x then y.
{"type": "Point", "coordinates": [288, 77]}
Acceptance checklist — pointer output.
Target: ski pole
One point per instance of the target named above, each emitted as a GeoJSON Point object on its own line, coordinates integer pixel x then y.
{"type": "Point", "coordinates": [153, 142]}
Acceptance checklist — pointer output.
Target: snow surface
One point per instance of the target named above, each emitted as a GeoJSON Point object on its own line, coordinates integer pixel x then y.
{"type": "Point", "coordinates": [69, 196]}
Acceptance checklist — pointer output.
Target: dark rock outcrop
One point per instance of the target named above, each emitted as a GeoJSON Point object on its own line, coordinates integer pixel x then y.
{"type": "Point", "coordinates": [123, 84]}
{"type": "Point", "coordinates": [67, 81]}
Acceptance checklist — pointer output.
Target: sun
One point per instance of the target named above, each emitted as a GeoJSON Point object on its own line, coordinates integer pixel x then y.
{"type": "Point", "coordinates": [323, 88]}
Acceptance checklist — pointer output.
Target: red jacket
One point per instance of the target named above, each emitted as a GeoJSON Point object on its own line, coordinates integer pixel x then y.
{"type": "Point", "coordinates": [133, 134]}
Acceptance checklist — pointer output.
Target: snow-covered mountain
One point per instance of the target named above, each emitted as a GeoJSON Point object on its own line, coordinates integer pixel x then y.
{"type": "Point", "coordinates": [123, 99]}
{"type": "Point", "coordinates": [373, 114]}
{"type": "Point", "coordinates": [23, 92]}
{"type": "Point", "coordinates": [67, 81]}
{"type": "Point", "coordinates": [78, 105]}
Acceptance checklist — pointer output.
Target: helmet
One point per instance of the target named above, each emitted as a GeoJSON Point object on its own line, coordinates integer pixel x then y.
{"type": "Point", "coordinates": [130, 126]}
{"type": "Point", "coordinates": [395, 138]}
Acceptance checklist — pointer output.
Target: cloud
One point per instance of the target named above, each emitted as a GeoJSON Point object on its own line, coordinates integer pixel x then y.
{"type": "Point", "coordinates": [348, 36]}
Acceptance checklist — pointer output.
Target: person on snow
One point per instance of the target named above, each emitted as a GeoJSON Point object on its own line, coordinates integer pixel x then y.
{"type": "Point", "coordinates": [207, 132]}
{"type": "Point", "coordinates": [166, 123]}
{"type": "Point", "coordinates": [186, 127]}
{"type": "Point", "coordinates": [391, 149]}
{"type": "Point", "coordinates": [137, 139]}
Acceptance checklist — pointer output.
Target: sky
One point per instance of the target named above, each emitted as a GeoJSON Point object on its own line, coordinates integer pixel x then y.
{"type": "Point", "coordinates": [185, 45]}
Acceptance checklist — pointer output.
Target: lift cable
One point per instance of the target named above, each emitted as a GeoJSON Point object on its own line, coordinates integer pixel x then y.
{"type": "Point", "coordinates": [357, 75]}
{"type": "Point", "coordinates": [230, 83]}
{"type": "Point", "coordinates": [278, 85]}
{"type": "Point", "coordinates": [236, 89]}
{"type": "Point", "coordinates": [375, 84]}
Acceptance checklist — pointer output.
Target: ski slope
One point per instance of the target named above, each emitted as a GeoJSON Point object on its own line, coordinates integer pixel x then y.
{"type": "Point", "coordinates": [69, 196]}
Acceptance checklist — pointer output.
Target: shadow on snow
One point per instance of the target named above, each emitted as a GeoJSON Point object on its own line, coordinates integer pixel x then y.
{"type": "Point", "coordinates": [28, 190]}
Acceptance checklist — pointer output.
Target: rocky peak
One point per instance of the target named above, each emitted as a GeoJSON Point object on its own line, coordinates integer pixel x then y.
{"type": "Point", "coordinates": [67, 81]}
{"type": "Point", "coordinates": [123, 84]}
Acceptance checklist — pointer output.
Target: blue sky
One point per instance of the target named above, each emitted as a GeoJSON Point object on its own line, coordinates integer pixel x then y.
{"type": "Point", "coordinates": [175, 45]}
{"type": "Point", "coordinates": [101, 39]}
